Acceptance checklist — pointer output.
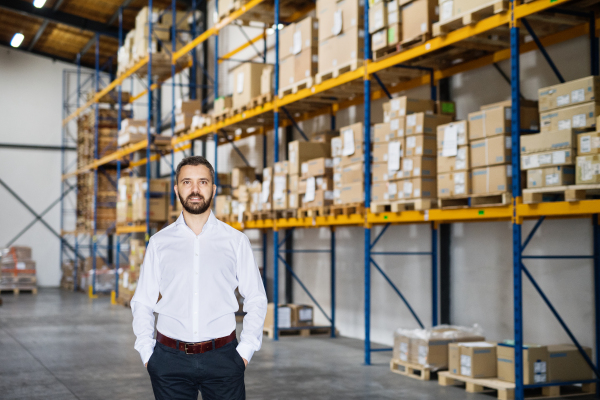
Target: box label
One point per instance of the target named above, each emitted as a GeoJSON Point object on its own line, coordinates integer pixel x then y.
{"type": "Point", "coordinates": [562, 100]}
{"type": "Point", "coordinates": [578, 96]}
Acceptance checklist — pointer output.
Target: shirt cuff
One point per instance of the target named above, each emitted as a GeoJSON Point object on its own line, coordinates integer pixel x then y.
{"type": "Point", "coordinates": [146, 353]}
{"type": "Point", "coordinates": [245, 350]}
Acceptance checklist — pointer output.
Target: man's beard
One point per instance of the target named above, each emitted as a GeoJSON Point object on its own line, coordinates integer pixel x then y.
{"type": "Point", "coordinates": [195, 208]}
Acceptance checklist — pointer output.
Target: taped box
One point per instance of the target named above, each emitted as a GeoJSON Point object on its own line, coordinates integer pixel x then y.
{"type": "Point", "coordinates": [551, 176]}
{"type": "Point", "coordinates": [491, 151]}
{"type": "Point", "coordinates": [569, 93]}
{"type": "Point", "coordinates": [457, 183]}
{"type": "Point", "coordinates": [494, 179]}
{"type": "Point", "coordinates": [535, 363]}
{"type": "Point", "coordinates": [589, 143]}
{"type": "Point", "coordinates": [402, 106]}
{"type": "Point", "coordinates": [588, 170]}
{"type": "Point", "coordinates": [545, 141]}
{"type": "Point", "coordinates": [472, 359]}
{"type": "Point", "coordinates": [581, 116]}
{"type": "Point", "coordinates": [547, 159]}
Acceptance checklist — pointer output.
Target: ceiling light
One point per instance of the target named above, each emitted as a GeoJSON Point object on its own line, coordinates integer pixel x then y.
{"type": "Point", "coordinates": [39, 3]}
{"type": "Point", "coordinates": [17, 40]}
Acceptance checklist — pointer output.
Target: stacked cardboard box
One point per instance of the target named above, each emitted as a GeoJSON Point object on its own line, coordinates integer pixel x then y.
{"type": "Point", "coordinates": [266, 194]}
{"type": "Point", "coordinates": [281, 193]}
{"type": "Point", "coordinates": [588, 158]}
{"type": "Point", "coordinates": [241, 180]}
{"type": "Point", "coordinates": [473, 359]}
{"type": "Point", "coordinates": [316, 183]}
{"type": "Point", "coordinates": [299, 52]}
{"type": "Point", "coordinates": [185, 111]}
{"type": "Point", "coordinates": [129, 274]}
{"type": "Point", "coordinates": [223, 206]}
{"type": "Point", "coordinates": [385, 24]}
{"type": "Point", "coordinates": [429, 347]}
{"type": "Point", "coordinates": [341, 36]}
{"type": "Point", "coordinates": [125, 54]}
{"type": "Point", "coordinates": [404, 151]}
{"type": "Point", "coordinates": [418, 17]}
{"type": "Point", "coordinates": [131, 199]}
{"type": "Point", "coordinates": [453, 161]}
{"type": "Point", "coordinates": [490, 144]}
{"type": "Point", "coordinates": [298, 153]}
{"type": "Point", "coordinates": [452, 8]}
{"type": "Point", "coordinates": [348, 162]}
{"type": "Point", "coordinates": [17, 269]}
{"type": "Point", "coordinates": [289, 315]}
{"type": "Point", "coordinates": [548, 158]}
{"type": "Point", "coordinates": [247, 78]}
{"type": "Point", "coordinates": [223, 104]}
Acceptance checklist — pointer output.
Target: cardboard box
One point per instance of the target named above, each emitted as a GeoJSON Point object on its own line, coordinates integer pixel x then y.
{"type": "Point", "coordinates": [413, 167]}
{"type": "Point", "coordinates": [379, 152]}
{"type": "Point", "coordinates": [417, 18]}
{"type": "Point", "coordinates": [420, 145]}
{"type": "Point", "coordinates": [242, 175]}
{"type": "Point", "coordinates": [381, 173]}
{"type": "Point", "coordinates": [327, 55]}
{"type": "Point", "coordinates": [569, 93]}
{"type": "Point", "coordinates": [452, 184]}
{"type": "Point", "coordinates": [159, 190]}
{"type": "Point", "coordinates": [350, 193]}
{"type": "Point", "coordinates": [336, 146]}
{"type": "Point", "coordinates": [267, 174]}
{"type": "Point", "coordinates": [338, 17]}
{"type": "Point", "coordinates": [547, 159]}
{"type": "Point", "coordinates": [461, 162]}
{"type": "Point", "coordinates": [401, 106]}
{"type": "Point", "coordinates": [324, 137]}
{"type": "Point", "coordinates": [394, 32]}
{"type": "Point", "coordinates": [280, 192]}
{"type": "Point", "coordinates": [416, 188]}
{"type": "Point", "coordinates": [306, 35]}
{"type": "Point", "coordinates": [306, 64]}
{"type": "Point", "coordinates": [351, 133]}
{"type": "Point", "coordinates": [379, 40]}
{"type": "Point", "coordinates": [286, 42]}
{"type": "Point", "coordinates": [321, 182]}
{"type": "Point", "coordinates": [451, 8]}
{"type": "Point", "coordinates": [266, 81]}
{"type": "Point", "coordinates": [222, 104]}
{"type": "Point", "coordinates": [490, 151]}
{"type": "Point", "coordinates": [287, 71]}
{"type": "Point", "coordinates": [535, 363]}
{"type": "Point", "coordinates": [325, 15]}
{"type": "Point", "coordinates": [397, 125]}
{"type": "Point", "coordinates": [382, 133]}
{"type": "Point", "coordinates": [401, 348]}
{"type": "Point", "coordinates": [352, 173]}
{"type": "Point", "coordinates": [301, 151]}
{"type": "Point", "coordinates": [475, 359]}
{"type": "Point", "coordinates": [284, 316]}
{"type": "Point", "coordinates": [357, 157]}
{"type": "Point", "coordinates": [302, 315]}
{"type": "Point", "coordinates": [552, 176]}
{"type": "Point", "coordinates": [544, 141]}
{"type": "Point", "coordinates": [422, 123]}
{"type": "Point", "coordinates": [380, 191]}
{"type": "Point", "coordinates": [566, 364]}
{"type": "Point", "coordinates": [496, 120]}
{"type": "Point", "coordinates": [349, 47]}
{"type": "Point", "coordinates": [378, 17]}
{"type": "Point", "coordinates": [434, 352]}
{"type": "Point", "coordinates": [581, 116]}
{"type": "Point", "coordinates": [588, 143]}
{"type": "Point", "coordinates": [282, 168]}
{"type": "Point", "coordinates": [187, 106]}
{"type": "Point", "coordinates": [453, 135]}
{"type": "Point", "coordinates": [588, 169]}
{"type": "Point", "coordinates": [222, 205]}
{"type": "Point", "coordinates": [494, 179]}
{"type": "Point", "coordinates": [317, 167]}
{"type": "Point", "coordinates": [321, 198]}
{"type": "Point", "coordinates": [294, 182]}
{"type": "Point", "coordinates": [247, 78]}
{"type": "Point", "coordinates": [294, 200]}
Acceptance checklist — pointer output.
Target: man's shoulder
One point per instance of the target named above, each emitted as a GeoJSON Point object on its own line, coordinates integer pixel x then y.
{"type": "Point", "coordinates": [163, 234]}
{"type": "Point", "coordinates": [229, 229]}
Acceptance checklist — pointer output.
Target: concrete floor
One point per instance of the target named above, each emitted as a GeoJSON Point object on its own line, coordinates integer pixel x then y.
{"type": "Point", "coordinates": [60, 345]}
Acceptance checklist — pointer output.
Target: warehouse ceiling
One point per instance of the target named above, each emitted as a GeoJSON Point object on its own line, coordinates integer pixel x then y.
{"type": "Point", "coordinates": [62, 29]}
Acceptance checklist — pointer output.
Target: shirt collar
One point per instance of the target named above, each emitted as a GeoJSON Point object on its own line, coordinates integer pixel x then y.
{"type": "Point", "coordinates": [212, 220]}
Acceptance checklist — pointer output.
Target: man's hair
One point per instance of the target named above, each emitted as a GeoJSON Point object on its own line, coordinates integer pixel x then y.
{"type": "Point", "coordinates": [195, 160]}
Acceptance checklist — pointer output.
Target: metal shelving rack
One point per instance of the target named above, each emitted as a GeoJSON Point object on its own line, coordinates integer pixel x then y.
{"type": "Point", "coordinates": [516, 212]}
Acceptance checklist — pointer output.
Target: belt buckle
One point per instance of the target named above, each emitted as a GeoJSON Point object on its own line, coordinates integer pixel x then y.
{"type": "Point", "coordinates": [185, 347]}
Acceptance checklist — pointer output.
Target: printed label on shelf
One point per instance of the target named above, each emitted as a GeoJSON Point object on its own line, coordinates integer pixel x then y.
{"type": "Point", "coordinates": [459, 177]}
{"type": "Point", "coordinates": [310, 189]}
{"type": "Point", "coordinates": [578, 96]}
{"type": "Point", "coordinates": [393, 158]}
{"type": "Point", "coordinates": [417, 172]}
{"type": "Point", "coordinates": [378, 20]}
{"type": "Point", "coordinates": [563, 100]}
{"type": "Point", "coordinates": [348, 148]}
{"type": "Point", "coordinates": [459, 189]}
{"type": "Point", "coordinates": [450, 148]}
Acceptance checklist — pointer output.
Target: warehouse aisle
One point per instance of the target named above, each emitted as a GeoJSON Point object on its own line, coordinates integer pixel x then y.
{"type": "Point", "coordinates": [60, 345]}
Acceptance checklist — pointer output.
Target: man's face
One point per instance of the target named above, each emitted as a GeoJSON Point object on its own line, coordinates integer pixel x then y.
{"type": "Point", "coordinates": [195, 188]}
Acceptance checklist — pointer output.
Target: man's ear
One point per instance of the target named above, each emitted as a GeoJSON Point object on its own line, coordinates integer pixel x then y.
{"type": "Point", "coordinates": [214, 190]}
{"type": "Point", "coordinates": [175, 189]}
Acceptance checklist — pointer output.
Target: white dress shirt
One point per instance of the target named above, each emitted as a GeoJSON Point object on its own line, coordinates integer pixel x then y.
{"type": "Point", "coordinates": [197, 276]}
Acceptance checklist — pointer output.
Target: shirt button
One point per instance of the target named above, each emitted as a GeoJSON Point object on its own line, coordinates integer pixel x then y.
{"type": "Point", "coordinates": [195, 332]}
{"type": "Point", "coordinates": [196, 253]}
{"type": "Point", "coordinates": [196, 272]}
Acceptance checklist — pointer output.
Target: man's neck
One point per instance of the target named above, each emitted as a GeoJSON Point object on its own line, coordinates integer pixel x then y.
{"type": "Point", "coordinates": [196, 221]}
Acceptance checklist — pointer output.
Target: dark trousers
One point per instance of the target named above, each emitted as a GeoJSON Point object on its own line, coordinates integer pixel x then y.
{"type": "Point", "coordinates": [217, 374]}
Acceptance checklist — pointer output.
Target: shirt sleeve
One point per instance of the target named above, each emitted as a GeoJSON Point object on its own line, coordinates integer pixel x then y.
{"type": "Point", "coordinates": [251, 287]}
{"type": "Point", "coordinates": [143, 302]}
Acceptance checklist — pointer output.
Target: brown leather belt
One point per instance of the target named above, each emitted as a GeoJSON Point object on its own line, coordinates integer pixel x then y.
{"type": "Point", "coordinates": [195, 348]}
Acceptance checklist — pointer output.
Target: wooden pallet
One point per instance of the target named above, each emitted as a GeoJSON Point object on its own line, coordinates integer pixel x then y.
{"type": "Point", "coordinates": [269, 331]}
{"type": "Point", "coordinates": [313, 212]}
{"type": "Point", "coordinates": [488, 200]}
{"type": "Point", "coordinates": [411, 370]}
{"type": "Point", "coordinates": [257, 215]}
{"type": "Point", "coordinates": [470, 17]}
{"type": "Point", "coordinates": [261, 100]}
{"type": "Point", "coordinates": [222, 116]}
{"type": "Point", "coordinates": [294, 88]}
{"type": "Point", "coordinates": [241, 109]}
{"type": "Point", "coordinates": [561, 193]}
{"type": "Point", "coordinates": [506, 390]}
{"type": "Point", "coordinates": [415, 41]}
{"type": "Point", "coordinates": [339, 70]}
{"type": "Point", "coordinates": [16, 291]}
{"type": "Point", "coordinates": [279, 214]}
{"type": "Point", "coordinates": [404, 205]}
{"type": "Point", "coordinates": [347, 209]}
{"type": "Point", "coordinates": [386, 51]}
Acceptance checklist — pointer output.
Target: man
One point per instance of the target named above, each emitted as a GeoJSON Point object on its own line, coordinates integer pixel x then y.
{"type": "Point", "coordinates": [195, 264]}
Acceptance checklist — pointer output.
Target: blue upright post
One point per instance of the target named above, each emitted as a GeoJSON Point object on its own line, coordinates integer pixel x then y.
{"type": "Point", "coordinates": [276, 159]}
{"type": "Point", "coordinates": [64, 107]}
{"type": "Point", "coordinates": [119, 116]}
{"type": "Point", "coordinates": [194, 68]}
{"type": "Point", "coordinates": [173, 49]}
{"type": "Point", "coordinates": [516, 194]}
{"type": "Point", "coordinates": [96, 116]}
{"type": "Point", "coordinates": [332, 248]}
{"type": "Point", "coordinates": [367, 168]}
{"type": "Point", "coordinates": [149, 122]}
{"type": "Point", "coordinates": [434, 274]}
{"type": "Point", "coordinates": [264, 232]}
{"type": "Point", "coordinates": [216, 93]}
{"type": "Point", "coordinates": [596, 238]}
{"type": "Point", "coordinates": [76, 263]}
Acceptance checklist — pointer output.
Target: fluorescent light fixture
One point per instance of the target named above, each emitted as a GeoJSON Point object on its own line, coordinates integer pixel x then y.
{"type": "Point", "coordinates": [39, 3]}
{"type": "Point", "coordinates": [17, 40]}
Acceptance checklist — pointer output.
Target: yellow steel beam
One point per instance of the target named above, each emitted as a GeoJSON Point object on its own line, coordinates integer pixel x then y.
{"type": "Point", "coordinates": [215, 29]}
{"type": "Point", "coordinates": [159, 83]}
{"type": "Point", "coordinates": [156, 157]}
{"type": "Point", "coordinates": [121, 230]}
{"type": "Point", "coordinates": [560, 208]}
{"type": "Point", "coordinates": [107, 89]}
{"type": "Point", "coordinates": [242, 47]}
